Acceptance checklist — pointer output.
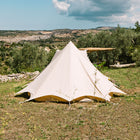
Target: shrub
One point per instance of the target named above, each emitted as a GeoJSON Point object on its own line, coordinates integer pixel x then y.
{"type": "Point", "coordinates": [136, 55]}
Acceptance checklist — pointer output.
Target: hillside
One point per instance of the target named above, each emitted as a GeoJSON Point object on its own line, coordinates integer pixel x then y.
{"type": "Point", "coordinates": [33, 50]}
{"type": "Point", "coordinates": [11, 36]}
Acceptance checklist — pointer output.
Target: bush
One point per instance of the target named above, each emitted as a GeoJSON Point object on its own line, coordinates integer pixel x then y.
{"type": "Point", "coordinates": [26, 58]}
{"type": "Point", "coordinates": [136, 55]}
{"type": "Point", "coordinates": [29, 58]}
{"type": "Point", "coordinates": [123, 40]}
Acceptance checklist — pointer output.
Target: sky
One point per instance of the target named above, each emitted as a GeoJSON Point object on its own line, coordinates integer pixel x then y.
{"type": "Point", "coordinates": [70, 14]}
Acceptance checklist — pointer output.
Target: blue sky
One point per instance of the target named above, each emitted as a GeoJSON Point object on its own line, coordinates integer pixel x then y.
{"type": "Point", "coordinates": [73, 14]}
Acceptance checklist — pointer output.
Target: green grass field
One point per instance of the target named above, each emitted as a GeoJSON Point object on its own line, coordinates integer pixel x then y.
{"type": "Point", "coordinates": [116, 120]}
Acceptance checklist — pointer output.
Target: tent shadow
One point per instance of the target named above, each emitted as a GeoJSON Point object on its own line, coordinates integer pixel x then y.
{"type": "Point", "coordinates": [115, 95]}
{"type": "Point", "coordinates": [24, 95]}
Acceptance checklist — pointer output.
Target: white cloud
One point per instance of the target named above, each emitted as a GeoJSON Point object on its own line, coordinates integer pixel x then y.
{"type": "Point", "coordinates": [133, 15]}
{"type": "Point", "coordinates": [62, 6]}
{"type": "Point", "coordinates": [103, 11]}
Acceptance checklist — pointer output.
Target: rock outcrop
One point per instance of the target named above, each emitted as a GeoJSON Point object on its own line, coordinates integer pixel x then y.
{"type": "Point", "coordinates": [18, 76]}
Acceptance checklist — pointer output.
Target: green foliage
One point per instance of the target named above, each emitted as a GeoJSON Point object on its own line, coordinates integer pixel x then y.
{"type": "Point", "coordinates": [124, 44]}
{"type": "Point", "coordinates": [102, 39]}
{"type": "Point", "coordinates": [5, 58]}
{"type": "Point", "coordinates": [26, 57]}
{"type": "Point", "coordinates": [50, 55]}
{"type": "Point", "coordinates": [136, 55]}
{"type": "Point", "coordinates": [99, 66]}
{"type": "Point", "coordinates": [137, 25]}
{"type": "Point", "coordinates": [123, 40]}
{"type": "Point", "coordinates": [85, 41]}
{"type": "Point", "coordinates": [29, 58]}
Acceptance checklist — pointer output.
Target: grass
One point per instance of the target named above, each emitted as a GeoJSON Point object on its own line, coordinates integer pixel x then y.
{"type": "Point", "coordinates": [117, 120]}
{"type": "Point", "coordinates": [127, 77]}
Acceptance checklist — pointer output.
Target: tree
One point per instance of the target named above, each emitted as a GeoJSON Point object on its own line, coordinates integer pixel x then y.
{"type": "Point", "coordinates": [137, 25]}
{"type": "Point", "coordinates": [102, 39]}
{"type": "Point", "coordinates": [136, 55]}
{"type": "Point", "coordinates": [29, 58]}
{"type": "Point", "coordinates": [123, 40]}
{"type": "Point", "coordinates": [124, 44]}
{"type": "Point", "coordinates": [86, 41]}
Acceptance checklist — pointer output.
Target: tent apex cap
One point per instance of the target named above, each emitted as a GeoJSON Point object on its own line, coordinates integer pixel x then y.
{"type": "Point", "coordinates": [71, 45]}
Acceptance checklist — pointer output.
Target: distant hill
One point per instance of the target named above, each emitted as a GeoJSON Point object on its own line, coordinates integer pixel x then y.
{"type": "Point", "coordinates": [11, 36]}
{"type": "Point", "coordinates": [105, 28]}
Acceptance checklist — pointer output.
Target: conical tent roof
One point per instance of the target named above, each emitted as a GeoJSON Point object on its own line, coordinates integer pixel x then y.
{"type": "Point", "coordinates": [70, 76]}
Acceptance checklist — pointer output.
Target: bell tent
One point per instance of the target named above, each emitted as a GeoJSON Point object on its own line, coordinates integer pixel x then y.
{"type": "Point", "coordinates": [71, 77]}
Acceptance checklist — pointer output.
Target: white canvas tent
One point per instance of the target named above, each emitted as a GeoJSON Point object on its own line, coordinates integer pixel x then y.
{"type": "Point", "coordinates": [70, 77]}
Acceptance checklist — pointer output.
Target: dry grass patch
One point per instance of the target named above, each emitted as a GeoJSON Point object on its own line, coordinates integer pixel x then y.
{"type": "Point", "coordinates": [116, 120]}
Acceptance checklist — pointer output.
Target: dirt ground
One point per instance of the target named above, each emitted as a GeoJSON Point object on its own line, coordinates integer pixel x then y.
{"type": "Point", "coordinates": [116, 120]}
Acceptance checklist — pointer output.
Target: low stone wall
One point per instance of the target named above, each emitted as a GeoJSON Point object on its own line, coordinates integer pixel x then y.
{"type": "Point", "coordinates": [18, 76]}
